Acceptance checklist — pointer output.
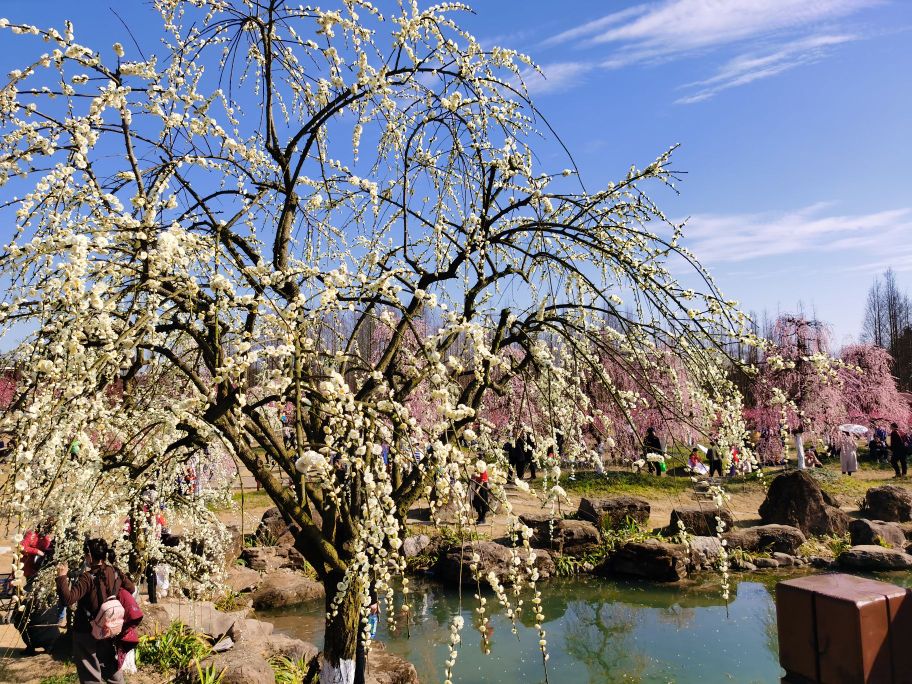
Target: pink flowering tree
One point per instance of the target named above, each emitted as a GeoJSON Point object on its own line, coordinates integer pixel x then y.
{"type": "Point", "coordinates": [869, 388]}
{"type": "Point", "coordinates": [797, 390]}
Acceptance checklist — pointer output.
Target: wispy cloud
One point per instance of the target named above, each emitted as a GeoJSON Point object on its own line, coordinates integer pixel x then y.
{"type": "Point", "coordinates": [772, 36]}
{"type": "Point", "coordinates": [748, 68]}
{"type": "Point", "coordinates": [719, 238]}
{"type": "Point", "coordinates": [556, 76]}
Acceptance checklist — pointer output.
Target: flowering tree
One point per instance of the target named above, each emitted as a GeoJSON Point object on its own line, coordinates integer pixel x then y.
{"type": "Point", "coordinates": [228, 216]}
{"type": "Point", "coordinates": [868, 386]}
{"type": "Point", "coordinates": [797, 389]}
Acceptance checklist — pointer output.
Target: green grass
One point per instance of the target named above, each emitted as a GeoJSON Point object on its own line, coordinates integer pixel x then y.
{"type": "Point", "coordinates": [251, 498]}
{"type": "Point", "coordinates": [644, 485]}
{"type": "Point", "coordinates": [69, 678]}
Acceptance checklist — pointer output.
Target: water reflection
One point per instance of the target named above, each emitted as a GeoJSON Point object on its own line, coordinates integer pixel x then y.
{"type": "Point", "coordinates": [598, 631]}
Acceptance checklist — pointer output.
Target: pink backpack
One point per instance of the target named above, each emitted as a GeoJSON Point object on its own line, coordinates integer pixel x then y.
{"type": "Point", "coordinates": [109, 620]}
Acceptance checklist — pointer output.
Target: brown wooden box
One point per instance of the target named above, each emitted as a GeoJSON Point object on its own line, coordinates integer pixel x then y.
{"type": "Point", "coordinates": [842, 629]}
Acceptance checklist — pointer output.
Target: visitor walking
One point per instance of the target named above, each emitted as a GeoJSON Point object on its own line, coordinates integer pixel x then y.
{"type": "Point", "coordinates": [898, 451]}
{"type": "Point", "coordinates": [714, 456]}
{"type": "Point", "coordinates": [652, 445]}
{"type": "Point", "coordinates": [848, 454]}
{"type": "Point", "coordinates": [95, 659]}
{"type": "Point", "coordinates": [480, 491]}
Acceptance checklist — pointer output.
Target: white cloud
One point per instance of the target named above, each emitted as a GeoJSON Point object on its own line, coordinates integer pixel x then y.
{"type": "Point", "coordinates": [747, 68]}
{"type": "Point", "coordinates": [772, 36]}
{"type": "Point", "coordinates": [556, 76]}
{"type": "Point", "coordinates": [718, 238]}
{"type": "Point", "coordinates": [676, 26]}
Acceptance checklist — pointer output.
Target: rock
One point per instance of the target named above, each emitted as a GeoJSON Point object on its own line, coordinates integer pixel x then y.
{"type": "Point", "coordinates": [412, 546]}
{"type": "Point", "coordinates": [704, 552]}
{"type": "Point", "coordinates": [889, 502]}
{"type": "Point", "coordinates": [870, 557]}
{"type": "Point", "coordinates": [241, 666]}
{"type": "Point", "coordinates": [821, 563]}
{"type": "Point", "coordinates": [766, 563]}
{"type": "Point", "coordinates": [539, 523]}
{"type": "Point", "coordinates": [868, 532]}
{"type": "Point", "coordinates": [770, 538]}
{"type": "Point", "coordinates": [240, 579]}
{"type": "Point", "coordinates": [493, 557]}
{"type": "Point", "coordinates": [794, 498]}
{"type": "Point", "coordinates": [293, 649]}
{"type": "Point", "coordinates": [385, 668]}
{"type": "Point", "coordinates": [784, 559]}
{"type": "Point", "coordinates": [652, 559]}
{"type": "Point", "coordinates": [155, 619]}
{"type": "Point", "coordinates": [286, 588]}
{"type": "Point", "coordinates": [568, 537]}
{"type": "Point", "coordinates": [235, 545]}
{"type": "Point", "coordinates": [747, 566]}
{"type": "Point", "coordinates": [274, 531]}
{"type": "Point", "coordinates": [272, 558]}
{"type": "Point", "coordinates": [700, 521]}
{"type": "Point", "coordinates": [615, 512]}
{"type": "Point", "coordinates": [246, 630]}
{"type": "Point", "coordinates": [200, 616]}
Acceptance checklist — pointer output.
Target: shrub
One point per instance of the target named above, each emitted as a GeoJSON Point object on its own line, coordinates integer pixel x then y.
{"type": "Point", "coordinates": [172, 650]}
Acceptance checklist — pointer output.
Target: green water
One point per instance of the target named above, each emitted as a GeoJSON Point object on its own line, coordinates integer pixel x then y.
{"type": "Point", "coordinates": [598, 631]}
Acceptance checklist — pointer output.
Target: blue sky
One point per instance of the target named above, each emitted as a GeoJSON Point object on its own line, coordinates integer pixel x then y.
{"type": "Point", "coordinates": [793, 118]}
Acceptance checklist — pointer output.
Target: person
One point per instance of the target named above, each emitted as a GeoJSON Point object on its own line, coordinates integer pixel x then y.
{"type": "Point", "coordinates": [694, 463]}
{"type": "Point", "coordinates": [810, 458]}
{"type": "Point", "coordinates": [848, 454]}
{"type": "Point", "coordinates": [652, 445]}
{"type": "Point", "coordinates": [898, 451]}
{"type": "Point", "coordinates": [600, 456]}
{"type": "Point", "coordinates": [877, 449]}
{"type": "Point", "coordinates": [36, 546]}
{"type": "Point", "coordinates": [480, 491]}
{"type": "Point", "coordinates": [714, 455]}
{"type": "Point", "coordinates": [95, 659]}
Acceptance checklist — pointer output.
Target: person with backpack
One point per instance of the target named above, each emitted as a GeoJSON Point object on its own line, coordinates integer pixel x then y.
{"type": "Point", "coordinates": [99, 615]}
{"type": "Point", "coordinates": [898, 449]}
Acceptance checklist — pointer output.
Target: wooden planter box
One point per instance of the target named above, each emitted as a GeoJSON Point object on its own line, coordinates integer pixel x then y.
{"type": "Point", "coordinates": [842, 629]}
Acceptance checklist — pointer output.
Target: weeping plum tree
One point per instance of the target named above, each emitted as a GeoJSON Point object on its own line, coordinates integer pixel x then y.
{"type": "Point", "coordinates": [798, 388]}
{"type": "Point", "coordinates": [224, 213]}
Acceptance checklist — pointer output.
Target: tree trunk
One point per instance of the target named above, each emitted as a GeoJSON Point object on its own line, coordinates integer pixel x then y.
{"type": "Point", "coordinates": [341, 638]}
{"type": "Point", "coordinates": [799, 447]}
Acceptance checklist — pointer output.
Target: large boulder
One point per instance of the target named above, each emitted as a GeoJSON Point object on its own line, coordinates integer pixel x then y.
{"type": "Point", "coordinates": [704, 553]}
{"type": "Point", "coordinates": [567, 536]}
{"type": "Point", "coordinates": [241, 666]}
{"type": "Point", "coordinates": [699, 520]}
{"type": "Point", "coordinates": [651, 559]}
{"type": "Point", "coordinates": [867, 532]}
{"type": "Point", "coordinates": [200, 616]}
{"type": "Point", "coordinates": [235, 545]}
{"type": "Point", "coordinates": [286, 588]}
{"type": "Point", "coordinates": [384, 667]}
{"type": "Point", "coordinates": [274, 531]}
{"type": "Point", "coordinates": [873, 557]}
{"type": "Point", "coordinates": [794, 498]}
{"type": "Point", "coordinates": [770, 538]}
{"type": "Point", "coordinates": [539, 523]}
{"type": "Point", "coordinates": [889, 502]}
{"type": "Point", "coordinates": [288, 647]}
{"type": "Point", "coordinates": [241, 578]}
{"type": "Point", "coordinates": [412, 546]}
{"type": "Point", "coordinates": [492, 557]}
{"type": "Point", "coordinates": [272, 558]}
{"type": "Point", "coordinates": [615, 512]}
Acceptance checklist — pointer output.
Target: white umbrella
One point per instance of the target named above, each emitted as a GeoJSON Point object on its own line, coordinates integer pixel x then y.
{"type": "Point", "coordinates": [853, 429]}
{"type": "Point", "coordinates": [703, 449]}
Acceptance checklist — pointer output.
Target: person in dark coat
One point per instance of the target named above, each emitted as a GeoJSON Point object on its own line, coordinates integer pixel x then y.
{"type": "Point", "coordinates": [898, 451]}
{"type": "Point", "coordinates": [652, 445]}
{"type": "Point", "coordinates": [96, 659]}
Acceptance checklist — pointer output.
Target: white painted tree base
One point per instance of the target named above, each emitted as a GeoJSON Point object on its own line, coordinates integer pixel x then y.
{"type": "Point", "coordinates": [344, 674]}
{"type": "Point", "coordinates": [799, 447]}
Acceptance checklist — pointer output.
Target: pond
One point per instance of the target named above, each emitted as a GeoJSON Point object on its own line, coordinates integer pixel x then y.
{"type": "Point", "coordinates": [598, 631]}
